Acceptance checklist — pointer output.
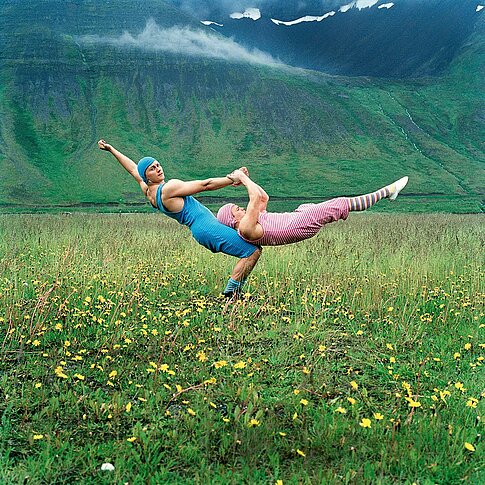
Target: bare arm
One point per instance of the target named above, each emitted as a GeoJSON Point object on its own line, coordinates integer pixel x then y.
{"type": "Point", "coordinates": [127, 163]}
{"type": "Point", "coordinates": [258, 198]}
{"type": "Point", "coordinates": [179, 188]}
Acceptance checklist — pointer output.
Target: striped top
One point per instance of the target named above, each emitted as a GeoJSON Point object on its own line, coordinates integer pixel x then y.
{"type": "Point", "coordinates": [303, 223]}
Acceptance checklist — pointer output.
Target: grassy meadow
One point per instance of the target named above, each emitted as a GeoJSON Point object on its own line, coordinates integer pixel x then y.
{"type": "Point", "coordinates": [354, 357]}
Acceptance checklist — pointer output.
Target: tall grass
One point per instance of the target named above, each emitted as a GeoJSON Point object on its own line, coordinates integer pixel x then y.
{"type": "Point", "coordinates": [354, 357]}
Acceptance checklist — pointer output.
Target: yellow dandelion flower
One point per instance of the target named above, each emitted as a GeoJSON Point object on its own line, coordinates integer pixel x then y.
{"type": "Point", "coordinates": [378, 416]}
{"type": "Point", "coordinates": [456, 355]}
{"type": "Point", "coordinates": [359, 332]}
{"type": "Point", "coordinates": [300, 452]}
{"type": "Point", "coordinates": [79, 376]}
{"type": "Point", "coordinates": [459, 386]}
{"type": "Point", "coordinates": [38, 436]}
{"type": "Point", "coordinates": [295, 416]}
{"type": "Point", "coordinates": [413, 403]}
{"type": "Point", "coordinates": [226, 420]}
{"type": "Point", "coordinates": [304, 402]}
{"type": "Point", "coordinates": [191, 412]}
{"type": "Point", "coordinates": [201, 356]}
{"type": "Point", "coordinates": [282, 434]}
{"type": "Point", "coordinates": [240, 365]}
{"type": "Point", "coordinates": [254, 422]}
{"type": "Point", "coordinates": [60, 372]}
{"type": "Point", "coordinates": [279, 482]}
{"type": "Point", "coordinates": [36, 343]}
{"type": "Point", "coordinates": [37, 385]}
{"type": "Point", "coordinates": [365, 423]}
{"type": "Point", "coordinates": [389, 347]}
{"type": "Point", "coordinates": [468, 346]}
{"type": "Point", "coordinates": [67, 343]}
{"type": "Point", "coordinates": [392, 360]}
{"type": "Point", "coordinates": [296, 392]}
{"type": "Point", "coordinates": [132, 439]}
{"type": "Point", "coordinates": [341, 410]}
{"type": "Point", "coordinates": [354, 385]}
{"type": "Point", "coordinates": [351, 400]}
{"type": "Point", "coordinates": [390, 309]}
{"type": "Point", "coordinates": [128, 407]}
{"type": "Point", "coordinates": [469, 446]}
{"type": "Point", "coordinates": [220, 363]}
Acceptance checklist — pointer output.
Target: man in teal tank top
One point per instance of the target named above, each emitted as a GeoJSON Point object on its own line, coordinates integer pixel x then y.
{"type": "Point", "coordinates": [174, 199]}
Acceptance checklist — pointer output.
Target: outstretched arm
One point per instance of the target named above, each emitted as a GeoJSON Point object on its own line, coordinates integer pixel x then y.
{"type": "Point", "coordinates": [127, 163]}
{"type": "Point", "coordinates": [179, 188]}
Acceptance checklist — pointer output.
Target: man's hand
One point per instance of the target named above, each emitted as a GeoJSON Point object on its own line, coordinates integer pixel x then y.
{"type": "Point", "coordinates": [236, 177]}
{"type": "Point", "coordinates": [104, 146]}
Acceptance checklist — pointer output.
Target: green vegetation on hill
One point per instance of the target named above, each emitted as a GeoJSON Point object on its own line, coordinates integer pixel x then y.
{"type": "Point", "coordinates": [302, 134]}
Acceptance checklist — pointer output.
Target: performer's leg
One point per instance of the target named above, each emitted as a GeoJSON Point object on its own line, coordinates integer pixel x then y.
{"type": "Point", "coordinates": [240, 273]}
{"type": "Point", "coordinates": [363, 202]}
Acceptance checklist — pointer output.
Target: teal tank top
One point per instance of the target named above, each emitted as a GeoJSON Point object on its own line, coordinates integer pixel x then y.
{"type": "Point", "coordinates": [206, 229]}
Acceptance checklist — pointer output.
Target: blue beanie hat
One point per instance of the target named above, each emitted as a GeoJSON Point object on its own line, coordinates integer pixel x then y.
{"type": "Point", "coordinates": [142, 166]}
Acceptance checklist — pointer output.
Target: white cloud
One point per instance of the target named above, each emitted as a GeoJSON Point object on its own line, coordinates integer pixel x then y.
{"type": "Point", "coordinates": [386, 5]}
{"type": "Point", "coordinates": [186, 41]}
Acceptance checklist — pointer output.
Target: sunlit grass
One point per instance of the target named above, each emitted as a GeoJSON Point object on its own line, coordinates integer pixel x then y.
{"type": "Point", "coordinates": [354, 357]}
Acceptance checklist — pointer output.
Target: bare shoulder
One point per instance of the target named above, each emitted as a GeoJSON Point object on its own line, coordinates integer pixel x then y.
{"type": "Point", "coordinates": [172, 184]}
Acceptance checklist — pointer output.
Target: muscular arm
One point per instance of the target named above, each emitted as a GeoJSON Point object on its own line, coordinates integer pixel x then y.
{"type": "Point", "coordinates": [127, 163]}
{"type": "Point", "coordinates": [178, 188]}
{"type": "Point", "coordinates": [258, 200]}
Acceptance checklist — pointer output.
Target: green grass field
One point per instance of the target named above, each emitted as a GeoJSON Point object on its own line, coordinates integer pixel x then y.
{"type": "Point", "coordinates": [354, 357]}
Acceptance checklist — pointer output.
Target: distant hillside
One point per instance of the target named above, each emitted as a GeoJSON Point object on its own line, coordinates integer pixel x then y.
{"type": "Point", "coordinates": [301, 133]}
{"type": "Point", "coordinates": [403, 38]}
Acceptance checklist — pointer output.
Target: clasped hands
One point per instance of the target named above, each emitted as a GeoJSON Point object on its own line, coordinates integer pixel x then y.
{"type": "Point", "coordinates": [235, 176]}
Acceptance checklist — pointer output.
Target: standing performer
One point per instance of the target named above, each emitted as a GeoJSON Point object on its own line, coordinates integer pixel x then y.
{"type": "Point", "coordinates": [174, 199]}
{"type": "Point", "coordinates": [257, 226]}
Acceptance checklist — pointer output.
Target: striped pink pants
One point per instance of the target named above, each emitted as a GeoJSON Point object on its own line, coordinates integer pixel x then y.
{"type": "Point", "coordinates": [303, 223]}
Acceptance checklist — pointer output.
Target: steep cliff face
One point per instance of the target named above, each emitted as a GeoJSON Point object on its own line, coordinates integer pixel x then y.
{"type": "Point", "coordinates": [303, 133]}
{"type": "Point", "coordinates": [403, 38]}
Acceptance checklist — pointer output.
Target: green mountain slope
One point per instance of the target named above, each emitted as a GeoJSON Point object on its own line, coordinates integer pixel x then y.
{"type": "Point", "coordinates": [302, 134]}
